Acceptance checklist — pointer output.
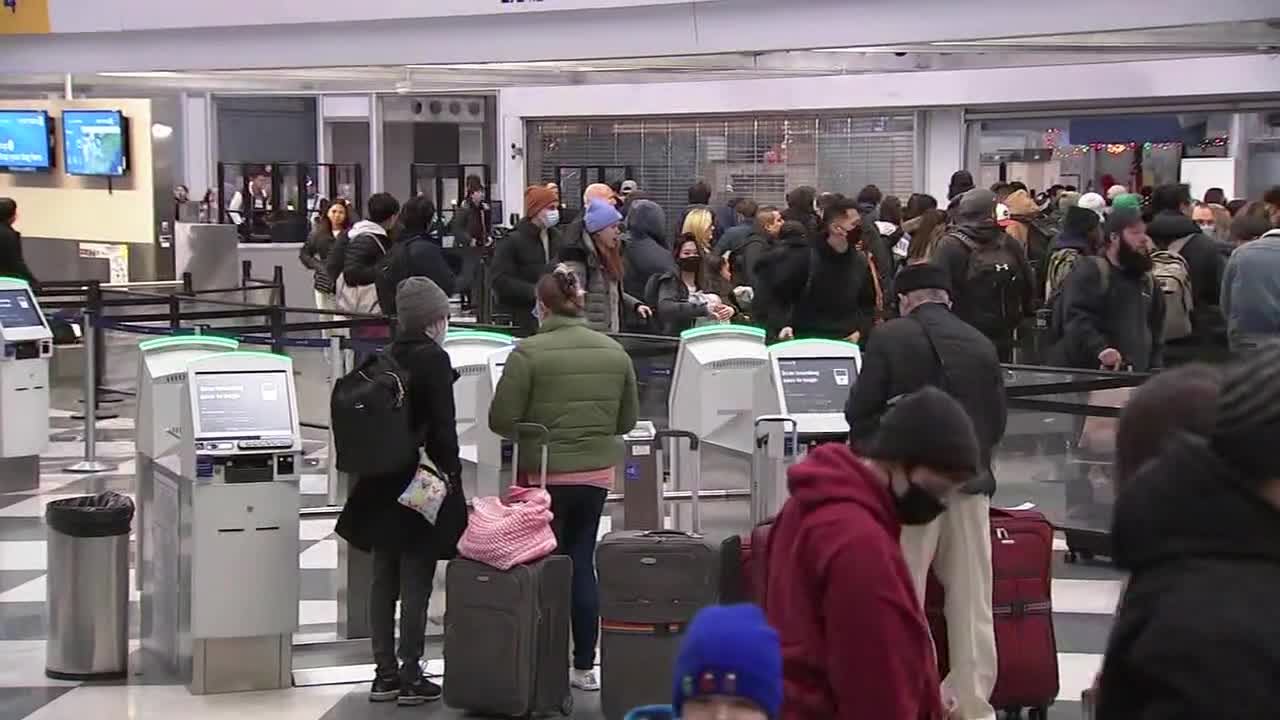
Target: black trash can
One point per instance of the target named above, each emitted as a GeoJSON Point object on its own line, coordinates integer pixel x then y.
{"type": "Point", "coordinates": [88, 587]}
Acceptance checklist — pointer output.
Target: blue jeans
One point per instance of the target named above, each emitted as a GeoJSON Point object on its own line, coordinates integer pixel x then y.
{"type": "Point", "coordinates": [577, 510]}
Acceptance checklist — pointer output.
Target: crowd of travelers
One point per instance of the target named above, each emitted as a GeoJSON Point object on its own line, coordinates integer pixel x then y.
{"type": "Point", "coordinates": [938, 295]}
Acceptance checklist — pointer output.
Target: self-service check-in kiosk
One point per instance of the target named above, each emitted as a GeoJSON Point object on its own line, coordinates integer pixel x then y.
{"type": "Point", "coordinates": [24, 386]}
{"type": "Point", "coordinates": [712, 394]}
{"type": "Point", "coordinates": [222, 597]}
{"type": "Point", "coordinates": [478, 357]}
{"type": "Point", "coordinates": [162, 378]}
{"type": "Point", "coordinates": [808, 382]}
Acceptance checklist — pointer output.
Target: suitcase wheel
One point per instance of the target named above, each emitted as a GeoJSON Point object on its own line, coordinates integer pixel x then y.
{"type": "Point", "coordinates": [566, 707]}
{"type": "Point", "coordinates": [1077, 555]}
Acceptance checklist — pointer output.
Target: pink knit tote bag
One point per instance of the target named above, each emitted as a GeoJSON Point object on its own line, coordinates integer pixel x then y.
{"type": "Point", "coordinates": [504, 535]}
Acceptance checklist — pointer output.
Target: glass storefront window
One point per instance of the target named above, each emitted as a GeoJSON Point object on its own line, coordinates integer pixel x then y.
{"type": "Point", "coordinates": [1094, 152]}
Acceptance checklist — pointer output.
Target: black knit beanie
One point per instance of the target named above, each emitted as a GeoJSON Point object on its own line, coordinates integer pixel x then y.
{"type": "Point", "coordinates": [928, 428]}
{"type": "Point", "coordinates": [1248, 420]}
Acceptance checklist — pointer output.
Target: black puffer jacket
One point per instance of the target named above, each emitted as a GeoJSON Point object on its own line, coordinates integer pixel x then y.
{"type": "Point", "coordinates": [519, 260]}
{"type": "Point", "coordinates": [899, 359]}
{"type": "Point", "coordinates": [646, 252]}
{"type": "Point", "coordinates": [356, 257]}
{"type": "Point", "coordinates": [1121, 311]}
{"type": "Point", "coordinates": [12, 262]}
{"type": "Point", "coordinates": [831, 299]}
{"type": "Point", "coordinates": [315, 254]}
{"type": "Point", "coordinates": [372, 516]}
{"type": "Point", "coordinates": [780, 275]}
{"type": "Point", "coordinates": [1198, 631]}
{"type": "Point", "coordinates": [675, 313]}
{"type": "Point", "coordinates": [954, 256]}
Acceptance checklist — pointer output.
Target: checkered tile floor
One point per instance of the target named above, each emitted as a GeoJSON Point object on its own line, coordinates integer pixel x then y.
{"type": "Point", "coordinates": [1084, 598]}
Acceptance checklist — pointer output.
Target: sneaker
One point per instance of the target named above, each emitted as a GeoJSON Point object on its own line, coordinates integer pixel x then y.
{"type": "Point", "coordinates": [385, 688]}
{"type": "Point", "coordinates": [419, 692]}
{"type": "Point", "coordinates": [585, 680]}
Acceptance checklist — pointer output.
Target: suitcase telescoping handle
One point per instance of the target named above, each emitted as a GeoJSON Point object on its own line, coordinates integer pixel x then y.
{"type": "Point", "coordinates": [695, 447]}
{"type": "Point", "coordinates": [759, 498]}
{"type": "Point", "coordinates": [542, 435]}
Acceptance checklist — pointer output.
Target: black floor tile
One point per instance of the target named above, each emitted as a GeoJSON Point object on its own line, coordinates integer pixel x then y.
{"type": "Point", "coordinates": [19, 702]}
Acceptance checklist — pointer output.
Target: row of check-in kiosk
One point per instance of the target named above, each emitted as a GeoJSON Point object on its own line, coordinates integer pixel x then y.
{"type": "Point", "coordinates": [220, 451]}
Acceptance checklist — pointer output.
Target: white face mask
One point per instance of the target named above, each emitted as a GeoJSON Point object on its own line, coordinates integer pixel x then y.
{"type": "Point", "coordinates": [438, 329]}
{"type": "Point", "coordinates": [550, 218]}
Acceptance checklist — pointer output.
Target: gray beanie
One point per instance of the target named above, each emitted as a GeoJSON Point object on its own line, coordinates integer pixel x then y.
{"type": "Point", "coordinates": [977, 204]}
{"type": "Point", "coordinates": [419, 303]}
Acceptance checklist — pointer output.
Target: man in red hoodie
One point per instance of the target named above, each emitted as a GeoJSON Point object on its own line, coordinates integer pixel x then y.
{"type": "Point", "coordinates": [855, 644]}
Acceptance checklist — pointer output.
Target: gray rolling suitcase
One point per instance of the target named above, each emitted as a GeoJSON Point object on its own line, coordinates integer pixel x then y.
{"type": "Point", "coordinates": [651, 585]}
{"type": "Point", "coordinates": [506, 633]}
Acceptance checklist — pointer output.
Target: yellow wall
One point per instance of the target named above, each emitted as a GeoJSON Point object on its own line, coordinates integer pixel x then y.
{"type": "Point", "coordinates": [61, 206]}
{"type": "Point", "coordinates": [28, 17]}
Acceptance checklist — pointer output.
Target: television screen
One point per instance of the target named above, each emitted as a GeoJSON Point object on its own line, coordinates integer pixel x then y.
{"type": "Point", "coordinates": [94, 142]}
{"type": "Point", "coordinates": [24, 141]}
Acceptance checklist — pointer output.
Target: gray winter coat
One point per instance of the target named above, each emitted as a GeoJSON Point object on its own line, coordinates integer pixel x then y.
{"type": "Point", "coordinates": [646, 253]}
{"type": "Point", "coordinates": [606, 301]}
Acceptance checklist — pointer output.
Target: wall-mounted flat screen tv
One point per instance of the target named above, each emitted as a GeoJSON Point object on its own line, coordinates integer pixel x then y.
{"type": "Point", "coordinates": [25, 141]}
{"type": "Point", "coordinates": [95, 142]}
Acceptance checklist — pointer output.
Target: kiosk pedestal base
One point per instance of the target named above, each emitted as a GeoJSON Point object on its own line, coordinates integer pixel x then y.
{"type": "Point", "coordinates": [19, 473]}
{"type": "Point", "coordinates": [241, 664]}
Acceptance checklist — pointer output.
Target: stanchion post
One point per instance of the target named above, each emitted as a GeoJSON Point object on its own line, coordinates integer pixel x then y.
{"type": "Point", "coordinates": [188, 285]}
{"type": "Point", "coordinates": [277, 330]}
{"type": "Point", "coordinates": [91, 464]}
{"type": "Point", "coordinates": [484, 304]}
{"type": "Point", "coordinates": [277, 281]}
{"type": "Point", "coordinates": [336, 481]}
{"type": "Point", "coordinates": [175, 313]}
{"type": "Point", "coordinates": [246, 271]}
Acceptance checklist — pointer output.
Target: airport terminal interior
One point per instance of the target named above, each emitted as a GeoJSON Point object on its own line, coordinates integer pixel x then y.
{"type": "Point", "coordinates": [168, 162]}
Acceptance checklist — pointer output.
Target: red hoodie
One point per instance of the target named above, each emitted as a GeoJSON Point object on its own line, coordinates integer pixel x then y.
{"type": "Point", "coordinates": [854, 640]}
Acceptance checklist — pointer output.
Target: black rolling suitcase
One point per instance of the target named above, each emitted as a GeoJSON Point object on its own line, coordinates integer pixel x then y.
{"type": "Point", "coordinates": [506, 633]}
{"type": "Point", "coordinates": [651, 585]}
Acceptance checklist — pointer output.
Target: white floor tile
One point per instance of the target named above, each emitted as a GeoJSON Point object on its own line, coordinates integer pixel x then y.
{"type": "Point", "coordinates": [316, 529]}
{"type": "Point", "coordinates": [157, 702]}
{"type": "Point", "coordinates": [23, 555]}
{"type": "Point", "coordinates": [1091, 597]}
{"type": "Point", "coordinates": [31, 507]}
{"type": "Point", "coordinates": [321, 556]}
{"type": "Point", "coordinates": [22, 665]}
{"type": "Point", "coordinates": [1075, 674]}
{"type": "Point", "coordinates": [35, 591]}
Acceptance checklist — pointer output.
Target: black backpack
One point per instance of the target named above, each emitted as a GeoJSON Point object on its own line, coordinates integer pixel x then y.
{"type": "Point", "coordinates": [993, 291]}
{"type": "Point", "coordinates": [370, 415]}
{"type": "Point", "coordinates": [392, 268]}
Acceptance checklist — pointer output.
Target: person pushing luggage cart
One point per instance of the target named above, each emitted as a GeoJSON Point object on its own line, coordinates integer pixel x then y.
{"type": "Point", "coordinates": [581, 385]}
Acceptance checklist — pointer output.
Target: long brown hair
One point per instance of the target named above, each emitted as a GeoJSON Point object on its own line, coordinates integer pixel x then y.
{"type": "Point", "coordinates": [933, 223]}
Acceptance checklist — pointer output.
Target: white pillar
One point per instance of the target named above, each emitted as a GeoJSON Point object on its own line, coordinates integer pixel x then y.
{"type": "Point", "coordinates": [1238, 149]}
{"type": "Point", "coordinates": [197, 148]}
{"type": "Point", "coordinates": [944, 135]}
{"type": "Point", "coordinates": [376, 181]}
{"type": "Point", "coordinates": [66, 87]}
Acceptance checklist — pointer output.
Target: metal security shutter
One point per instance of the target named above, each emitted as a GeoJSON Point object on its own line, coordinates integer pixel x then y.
{"type": "Point", "coordinates": [757, 156]}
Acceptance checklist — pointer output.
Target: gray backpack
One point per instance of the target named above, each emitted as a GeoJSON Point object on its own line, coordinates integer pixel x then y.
{"type": "Point", "coordinates": [1172, 275]}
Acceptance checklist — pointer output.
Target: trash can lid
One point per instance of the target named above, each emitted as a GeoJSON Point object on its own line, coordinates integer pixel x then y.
{"type": "Point", "coordinates": [102, 515]}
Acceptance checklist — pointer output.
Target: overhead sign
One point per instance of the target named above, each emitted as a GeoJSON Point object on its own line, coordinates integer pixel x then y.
{"type": "Point", "coordinates": [24, 17]}
{"type": "Point", "coordinates": [32, 16]}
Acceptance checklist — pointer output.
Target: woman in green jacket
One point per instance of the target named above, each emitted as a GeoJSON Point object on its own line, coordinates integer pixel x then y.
{"type": "Point", "coordinates": [581, 385]}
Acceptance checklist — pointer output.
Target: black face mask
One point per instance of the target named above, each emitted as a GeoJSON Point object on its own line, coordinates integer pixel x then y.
{"type": "Point", "coordinates": [1133, 261]}
{"type": "Point", "coordinates": [689, 264]}
{"type": "Point", "coordinates": [916, 506]}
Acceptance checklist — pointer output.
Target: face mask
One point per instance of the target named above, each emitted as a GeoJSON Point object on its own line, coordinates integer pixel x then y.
{"type": "Point", "coordinates": [1207, 228]}
{"type": "Point", "coordinates": [1134, 261]}
{"type": "Point", "coordinates": [916, 506]}
{"type": "Point", "coordinates": [538, 312]}
{"type": "Point", "coordinates": [437, 330]}
{"type": "Point", "coordinates": [689, 264]}
{"type": "Point", "coordinates": [550, 218]}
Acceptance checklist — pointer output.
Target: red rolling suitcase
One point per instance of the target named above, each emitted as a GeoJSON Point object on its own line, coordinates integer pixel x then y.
{"type": "Point", "coordinates": [1022, 559]}
{"type": "Point", "coordinates": [743, 573]}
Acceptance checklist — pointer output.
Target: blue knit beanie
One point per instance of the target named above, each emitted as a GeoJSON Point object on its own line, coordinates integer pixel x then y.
{"type": "Point", "coordinates": [600, 215]}
{"type": "Point", "coordinates": [730, 650]}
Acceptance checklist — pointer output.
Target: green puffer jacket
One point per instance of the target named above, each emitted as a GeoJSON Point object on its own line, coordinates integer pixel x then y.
{"type": "Point", "coordinates": [577, 382]}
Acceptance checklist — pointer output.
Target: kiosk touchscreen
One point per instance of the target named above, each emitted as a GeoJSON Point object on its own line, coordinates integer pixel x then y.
{"type": "Point", "coordinates": [712, 394]}
{"type": "Point", "coordinates": [224, 604]}
{"type": "Point", "coordinates": [807, 381]}
{"type": "Point", "coordinates": [810, 381]}
{"type": "Point", "coordinates": [478, 357]}
{"type": "Point", "coordinates": [24, 385]}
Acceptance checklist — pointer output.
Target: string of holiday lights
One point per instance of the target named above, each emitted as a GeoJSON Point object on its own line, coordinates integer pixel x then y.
{"type": "Point", "coordinates": [1067, 151]}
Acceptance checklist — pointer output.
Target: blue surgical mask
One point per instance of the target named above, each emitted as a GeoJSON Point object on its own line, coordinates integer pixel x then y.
{"type": "Point", "coordinates": [550, 218]}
